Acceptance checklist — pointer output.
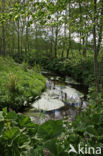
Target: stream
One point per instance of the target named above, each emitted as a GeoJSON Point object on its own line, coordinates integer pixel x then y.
{"type": "Point", "coordinates": [63, 98]}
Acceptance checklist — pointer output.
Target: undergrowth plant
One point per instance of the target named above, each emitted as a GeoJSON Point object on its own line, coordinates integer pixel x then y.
{"type": "Point", "coordinates": [19, 136]}
{"type": "Point", "coordinates": [18, 84]}
{"type": "Point", "coordinates": [12, 84]}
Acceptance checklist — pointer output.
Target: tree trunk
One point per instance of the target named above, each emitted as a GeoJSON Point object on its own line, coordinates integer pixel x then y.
{"type": "Point", "coordinates": [27, 39]}
{"type": "Point", "coordinates": [80, 8]}
{"type": "Point", "coordinates": [95, 49]}
{"type": "Point", "coordinates": [69, 44]}
{"type": "Point", "coordinates": [19, 39]}
{"type": "Point", "coordinates": [56, 40]}
{"type": "Point", "coordinates": [84, 46]}
{"type": "Point", "coordinates": [67, 53]}
{"type": "Point", "coordinates": [51, 47]}
{"type": "Point", "coordinates": [3, 32]}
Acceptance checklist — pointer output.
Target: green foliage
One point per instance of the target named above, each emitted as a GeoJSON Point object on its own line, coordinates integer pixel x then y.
{"type": "Point", "coordinates": [51, 130]}
{"type": "Point", "coordinates": [66, 20]}
{"type": "Point", "coordinates": [18, 84]}
{"type": "Point", "coordinates": [79, 68]}
{"type": "Point", "coordinates": [20, 137]}
{"type": "Point", "coordinates": [86, 129]}
{"type": "Point", "coordinates": [12, 84]}
{"type": "Point", "coordinates": [37, 68]}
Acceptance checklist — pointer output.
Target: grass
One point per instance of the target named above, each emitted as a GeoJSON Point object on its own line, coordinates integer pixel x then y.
{"type": "Point", "coordinates": [19, 85]}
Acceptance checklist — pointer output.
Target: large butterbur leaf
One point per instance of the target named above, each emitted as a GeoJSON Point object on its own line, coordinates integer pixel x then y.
{"type": "Point", "coordinates": [34, 152]}
{"type": "Point", "coordinates": [23, 141]}
{"type": "Point", "coordinates": [51, 145]}
{"type": "Point", "coordinates": [23, 120]}
{"type": "Point", "coordinates": [50, 129]}
{"type": "Point", "coordinates": [11, 134]}
{"type": "Point", "coordinates": [11, 115]}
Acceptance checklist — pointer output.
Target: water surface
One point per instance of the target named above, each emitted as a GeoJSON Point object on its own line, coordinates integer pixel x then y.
{"type": "Point", "coordinates": [61, 99]}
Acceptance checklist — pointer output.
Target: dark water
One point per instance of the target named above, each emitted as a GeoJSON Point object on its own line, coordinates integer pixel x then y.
{"type": "Point", "coordinates": [63, 98]}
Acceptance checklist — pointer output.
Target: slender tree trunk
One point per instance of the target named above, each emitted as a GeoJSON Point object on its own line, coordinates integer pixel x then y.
{"type": "Point", "coordinates": [19, 39]}
{"type": "Point", "coordinates": [67, 53]}
{"type": "Point", "coordinates": [62, 55]}
{"type": "Point", "coordinates": [51, 48]}
{"type": "Point", "coordinates": [27, 36]}
{"type": "Point", "coordinates": [27, 40]}
{"type": "Point", "coordinates": [85, 39]}
{"type": "Point", "coordinates": [84, 46]}
{"type": "Point", "coordinates": [13, 37]}
{"type": "Point", "coordinates": [69, 44]}
{"type": "Point", "coordinates": [95, 48]}
{"type": "Point", "coordinates": [63, 49]}
{"type": "Point", "coordinates": [22, 39]}
{"type": "Point", "coordinates": [3, 32]}
{"type": "Point", "coordinates": [64, 39]}
{"type": "Point", "coordinates": [56, 40]}
{"type": "Point", "coordinates": [0, 45]}
{"type": "Point", "coordinates": [56, 37]}
{"type": "Point", "coordinates": [100, 36]}
{"type": "Point", "coordinates": [3, 41]}
{"type": "Point", "coordinates": [80, 8]}
{"type": "Point", "coordinates": [13, 44]}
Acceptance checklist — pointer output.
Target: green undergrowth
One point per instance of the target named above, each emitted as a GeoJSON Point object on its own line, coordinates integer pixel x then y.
{"type": "Point", "coordinates": [79, 67]}
{"type": "Point", "coordinates": [87, 129]}
{"type": "Point", "coordinates": [80, 70]}
{"type": "Point", "coordinates": [19, 85]}
{"type": "Point", "coordinates": [19, 136]}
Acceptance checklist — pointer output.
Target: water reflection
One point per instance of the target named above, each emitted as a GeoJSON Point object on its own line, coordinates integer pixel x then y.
{"type": "Point", "coordinates": [58, 101]}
